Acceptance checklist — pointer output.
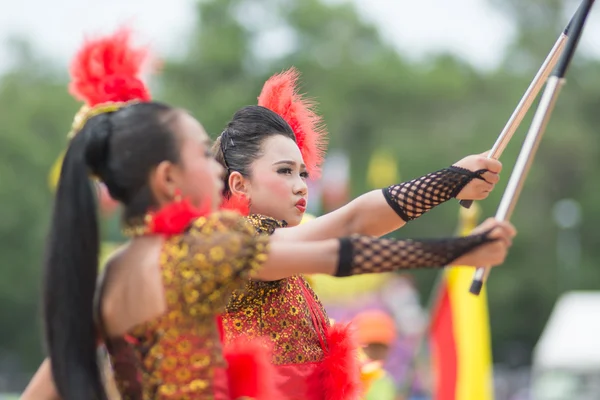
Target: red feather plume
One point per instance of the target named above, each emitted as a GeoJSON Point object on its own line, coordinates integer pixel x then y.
{"type": "Point", "coordinates": [107, 69]}
{"type": "Point", "coordinates": [249, 370]}
{"type": "Point", "coordinates": [280, 95]}
{"type": "Point", "coordinates": [340, 370]}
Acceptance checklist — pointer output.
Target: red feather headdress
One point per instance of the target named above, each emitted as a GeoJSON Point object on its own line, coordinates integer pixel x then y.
{"type": "Point", "coordinates": [105, 74]}
{"type": "Point", "coordinates": [107, 69]}
{"type": "Point", "coordinates": [280, 95]}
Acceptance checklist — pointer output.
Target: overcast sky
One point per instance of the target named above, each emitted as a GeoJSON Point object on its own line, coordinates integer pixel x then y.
{"type": "Point", "coordinates": [469, 28]}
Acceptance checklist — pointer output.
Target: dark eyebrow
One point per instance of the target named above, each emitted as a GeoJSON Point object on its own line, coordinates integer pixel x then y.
{"type": "Point", "coordinates": [290, 163]}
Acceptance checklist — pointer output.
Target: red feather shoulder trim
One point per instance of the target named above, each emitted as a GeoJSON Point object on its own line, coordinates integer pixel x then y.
{"type": "Point", "coordinates": [250, 372]}
{"type": "Point", "coordinates": [340, 370]}
{"type": "Point", "coordinates": [176, 217]}
{"type": "Point", "coordinates": [236, 203]}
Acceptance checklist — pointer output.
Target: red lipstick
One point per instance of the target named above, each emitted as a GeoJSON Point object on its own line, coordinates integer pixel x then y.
{"type": "Point", "coordinates": [301, 205]}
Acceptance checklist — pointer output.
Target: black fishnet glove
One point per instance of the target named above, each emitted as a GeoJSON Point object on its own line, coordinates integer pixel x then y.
{"type": "Point", "coordinates": [365, 254]}
{"type": "Point", "coordinates": [412, 199]}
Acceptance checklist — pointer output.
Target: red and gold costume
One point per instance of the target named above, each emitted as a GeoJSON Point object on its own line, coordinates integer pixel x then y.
{"type": "Point", "coordinates": [178, 355]}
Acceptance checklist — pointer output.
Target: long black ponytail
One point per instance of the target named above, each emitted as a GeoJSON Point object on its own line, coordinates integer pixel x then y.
{"type": "Point", "coordinates": [70, 272]}
{"type": "Point", "coordinates": [120, 148]}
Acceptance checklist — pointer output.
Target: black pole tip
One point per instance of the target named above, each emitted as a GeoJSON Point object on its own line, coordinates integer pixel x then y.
{"type": "Point", "coordinates": [476, 287]}
{"type": "Point", "coordinates": [574, 31]}
{"type": "Point", "coordinates": [466, 203]}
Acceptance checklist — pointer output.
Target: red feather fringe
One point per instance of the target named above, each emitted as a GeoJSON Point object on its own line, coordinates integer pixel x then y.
{"type": "Point", "coordinates": [107, 69]}
{"type": "Point", "coordinates": [174, 218]}
{"type": "Point", "coordinates": [340, 370]}
{"type": "Point", "coordinates": [280, 95]}
{"type": "Point", "coordinates": [249, 370]}
{"type": "Point", "coordinates": [236, 203]}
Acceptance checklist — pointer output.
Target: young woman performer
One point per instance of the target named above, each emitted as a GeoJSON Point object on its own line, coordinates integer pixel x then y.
{"type": "Point", "coordinates": [268, 151]}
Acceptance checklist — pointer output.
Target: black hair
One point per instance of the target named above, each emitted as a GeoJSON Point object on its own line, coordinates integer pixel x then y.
{"type": "Point", "coordinates": [121, 149]}
{"type": "Point", "coordinates": [240, 144]}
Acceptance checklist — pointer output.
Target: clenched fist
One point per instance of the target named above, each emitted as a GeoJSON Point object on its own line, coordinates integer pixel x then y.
{"type": "Point", "coordinates": [479, 189]}
{"type": "Point", "coordinates": [493, 253]}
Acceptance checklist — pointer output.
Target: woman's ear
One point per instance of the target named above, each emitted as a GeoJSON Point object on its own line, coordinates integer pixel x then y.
{"type": "Point", "coordinates": [238, 184]}
{"type": "Point", "coordinates": [163, 183]}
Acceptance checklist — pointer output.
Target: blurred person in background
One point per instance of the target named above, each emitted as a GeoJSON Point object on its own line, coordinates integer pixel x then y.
{"type": "Point", "coordinates": [376, 332]}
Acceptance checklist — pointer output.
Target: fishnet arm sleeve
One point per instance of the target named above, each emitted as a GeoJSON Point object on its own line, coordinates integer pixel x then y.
{"type": "Point", "coordinates": [366, 255]}
{"type": "Point", "coordinates": [412, 199]}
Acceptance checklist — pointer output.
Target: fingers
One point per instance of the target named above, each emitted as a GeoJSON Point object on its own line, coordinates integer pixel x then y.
{"type": "Point", "coordinates": [502, 239]}
{"type": "Point", "coordinates": [478, 162]}
{"type": "Point", "coordinates": [493, 253]}
{"type": "Point", "coordinates": [499, 229]}
{"type": "Point", "coordinates": [476, 190]}
{"type": "Point", "coordinates": [491, 177]}
{"type": "Point", "coordinates": [509, 228]}
{"type": "Point", "coordinates": [502, 232]}
{"type": "Point", "coordinates": [491, 165]}
{"type": "Point", "coordinates": [504, 227]}
{"type": "Point", "coordinates": [484, 226]}
{"type": "Point", "coordinates": [497, 253]}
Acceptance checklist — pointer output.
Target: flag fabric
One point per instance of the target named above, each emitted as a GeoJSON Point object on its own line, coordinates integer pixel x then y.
{"type": "Point", "coordinates": [459, 339]}
{"type": "Point", "coordinates": [382, 170]}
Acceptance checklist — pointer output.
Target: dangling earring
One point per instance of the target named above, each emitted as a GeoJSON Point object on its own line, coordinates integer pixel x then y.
{"type": "Point", "coordinates": [177, 196]}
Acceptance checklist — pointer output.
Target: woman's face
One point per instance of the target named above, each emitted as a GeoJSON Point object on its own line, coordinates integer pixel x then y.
{"type": "Point", "coordinates": [277, 183]}
{"type": "Point", "coordinates": [199, 176]}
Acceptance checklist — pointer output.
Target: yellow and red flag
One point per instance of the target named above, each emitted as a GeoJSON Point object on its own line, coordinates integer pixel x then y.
{"type": "Point", "coordinates": [459, 333]}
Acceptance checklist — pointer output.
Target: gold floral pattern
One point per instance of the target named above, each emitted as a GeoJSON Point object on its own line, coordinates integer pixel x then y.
{"type": "Point", "coordinates": [173, 357]}
{"type": "Point", "coordinates": [282, 311]}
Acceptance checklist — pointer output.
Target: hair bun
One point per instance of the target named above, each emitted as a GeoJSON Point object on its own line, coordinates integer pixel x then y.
{"type": "Point", "coordinates": [97, 132]}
